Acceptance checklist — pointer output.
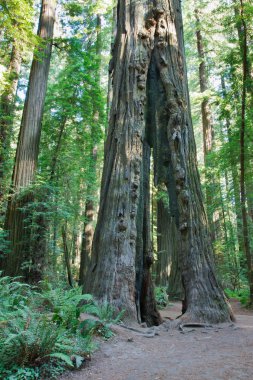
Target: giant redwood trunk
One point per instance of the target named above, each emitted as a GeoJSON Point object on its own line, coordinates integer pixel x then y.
{"type": "Point", "coordinates": [23, 260]}
{"type": "Point", "coordinates": [150, 108]}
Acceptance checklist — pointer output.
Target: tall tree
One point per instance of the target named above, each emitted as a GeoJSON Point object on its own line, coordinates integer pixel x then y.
{"type": "Point", "coordinates": [21, 260]}
{"type": "Point", "coordinates": [6, 111]}
{"type": "Point", "coordinates": [168, 249]}
{"type": "Point", "coordinates": [90, 206]}
{"type": "Point", "coordinates": [245, 71]}
{"type": "Point", "coordinates": [149, 74]}
{"type": "Point", "coordinates": [16, 26]}
{"type": "Point", "coordinates": [207, 126]}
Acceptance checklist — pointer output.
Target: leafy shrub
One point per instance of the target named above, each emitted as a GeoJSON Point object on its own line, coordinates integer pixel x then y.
{"type": "Point", "coordinates": [38, 337]}
{"type": "Point", "coordinates": [105, 314]}
{"type": "Point", "coordinates": [40, 330]}
{"type": "Point", "coordinates": [161, 296]}
{"type": "Point", "coordinates": [65, 305]}
{"type": "Point", "coordinates": [242, 295]}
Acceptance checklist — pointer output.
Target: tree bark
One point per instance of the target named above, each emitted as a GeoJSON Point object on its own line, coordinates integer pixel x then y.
{"type": "Point", "coordinates": [21, 260]}
{"type": "Point", "coordinates": [90, 207]}
{"type": "Point", "coordinates": [149, 54]}
{"type": "Point", "coordinates": [234, 173]}
{"type": "Point", "coordinates": [6, 114]}
{"type": "Point", "coordinates": [207, 125]}
{"type": "Point", "coordinates": [66, 255]}
{"type": "Point", "coordinates": [245, 226]}
{"type": "Point", "coordinates": [168, 247]}
{"type": "Point", "coordinates": [165, 244]}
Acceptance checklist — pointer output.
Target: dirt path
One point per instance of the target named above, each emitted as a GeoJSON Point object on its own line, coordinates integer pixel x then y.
{"type": "Point", "coordinates": [223, 352]}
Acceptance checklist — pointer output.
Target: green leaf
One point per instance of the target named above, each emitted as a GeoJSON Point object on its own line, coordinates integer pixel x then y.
{"type": "Point", "coordinates": [65, 358]}
{"type": "Point", "coordinates": [79, 360]}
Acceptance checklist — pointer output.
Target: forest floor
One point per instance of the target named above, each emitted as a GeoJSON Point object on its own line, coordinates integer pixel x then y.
{"type": "Point", "coordinates": [220, 352]}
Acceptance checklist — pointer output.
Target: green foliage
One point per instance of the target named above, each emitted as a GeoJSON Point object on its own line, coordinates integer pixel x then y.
{"type": "Point", "coordinates": [16, 19]}
{"type": "Point", "coordinates": [161, 296]}
{"type": "Point", "coordinates": [105, 312]}
{"type": "Point", "coordinates": [16, 25]}
{"type": "Point", "coordinates": [105, 316]}
{"type": "Point", "coordinates": [221, 27]}
{"type": "Point", "coordinates": [242, 295]}
{"type": "Point", "coordinates": [162, 195]}
{"type": "Point", "coordinates": [38, 339]}
{"type": "Point", "coordinates": [65, 305]}
{"type": "Point", "coordinates": [41, 333]}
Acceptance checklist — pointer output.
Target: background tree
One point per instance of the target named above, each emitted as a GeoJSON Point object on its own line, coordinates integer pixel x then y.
{"type": "Point", "coordinates": [16, 25]}
{"type": "Point", "coordinates": [27, 156]}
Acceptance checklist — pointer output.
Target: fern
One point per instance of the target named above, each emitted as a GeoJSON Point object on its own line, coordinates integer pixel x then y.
{"type": "Point", "coordinates": [63, 357]}
{"type": "Point", "coordinates": [38, 331]}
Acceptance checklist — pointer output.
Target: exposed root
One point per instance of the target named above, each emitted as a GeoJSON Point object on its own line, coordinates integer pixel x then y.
{"type": "Point", "coordinates": [146, 332]}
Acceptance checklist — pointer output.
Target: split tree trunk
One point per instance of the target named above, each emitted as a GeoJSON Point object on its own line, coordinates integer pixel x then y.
{"type": "Point", "coordinates": [22, 260]}
{"type": "Point", "coordinates": [149, 55]}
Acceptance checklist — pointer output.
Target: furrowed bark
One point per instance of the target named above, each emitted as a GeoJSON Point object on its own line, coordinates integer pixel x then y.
{"type": "Point", "coordinates": [204, 298]}
{"type": "Point", "coordinates": [113, 275]}
{"type": "Point", "coordinates": [245, 226]}
{"type": "Point", "coordinates": [165, 244]}
{"type": "Point", "coordinates": [149, 54]}
{"type": "Point", "coordinates": [207, 125]}
{"type": "Point", "coordinates": [234, 173]}
{"type": "Point", "coordinates": [22, 260]}
{"type": "Point", "coordinates": [90, 204]}
{"type": "Point", "coordinates": [6, 116]}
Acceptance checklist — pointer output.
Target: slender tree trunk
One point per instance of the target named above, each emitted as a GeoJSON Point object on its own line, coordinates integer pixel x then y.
{"type": "Point", "coordinates": [87, 238]}
{"type": "Point", "coordinates": [66, 255]}
{"type": "Point", "coordinates": [245, 226]}
{"type": "Point", "coordinates": [149, 54]}
{"type": "Point", "coordinates": [90, 206]}
{"type": "Point", "coordinates": [230, 241]}
{"type": "Point", "coordinates": [249, 190]}
{"type": "Point", "coordinates": [207, 125]}
{"type": "Point", "coordinates": [21, 260]}
{"type": "Point", "coordinates": [165, 244]}
{"type": "Point", "coordinates": [234, 173]}
{"type": "Point", "coordinates": [57, 149]}
{"type": "Point", "coordinates": [168, 246]}
{"type": "Point", "coordinates": [6, 115]}
{"type": "Point", "coordinates": [242, 29]}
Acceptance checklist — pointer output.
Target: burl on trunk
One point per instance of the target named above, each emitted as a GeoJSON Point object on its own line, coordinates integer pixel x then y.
{"type": "Point", "coordinates": [150, 109]}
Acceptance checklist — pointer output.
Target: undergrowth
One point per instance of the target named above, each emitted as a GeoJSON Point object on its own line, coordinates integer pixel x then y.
{"type": "Point", "coordinates": [161, 296]}
{"type": "Point", "coordinates": [41, 333]}
{"type": "Point", "coordinates": [242, 295]}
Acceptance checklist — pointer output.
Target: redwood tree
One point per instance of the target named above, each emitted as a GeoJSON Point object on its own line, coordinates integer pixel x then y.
{"type": "Point", "coordinates": [21, 260]}
{"type": "Point", "coordinates": [150, 108]}
{"type": "Point", "coordinates": [6, 112]}
{"type": "Point", "coordinates": [243, 35]}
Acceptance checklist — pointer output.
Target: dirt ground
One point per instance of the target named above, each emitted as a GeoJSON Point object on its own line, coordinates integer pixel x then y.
{"type": "Point", "coordinates": [220, 352]}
